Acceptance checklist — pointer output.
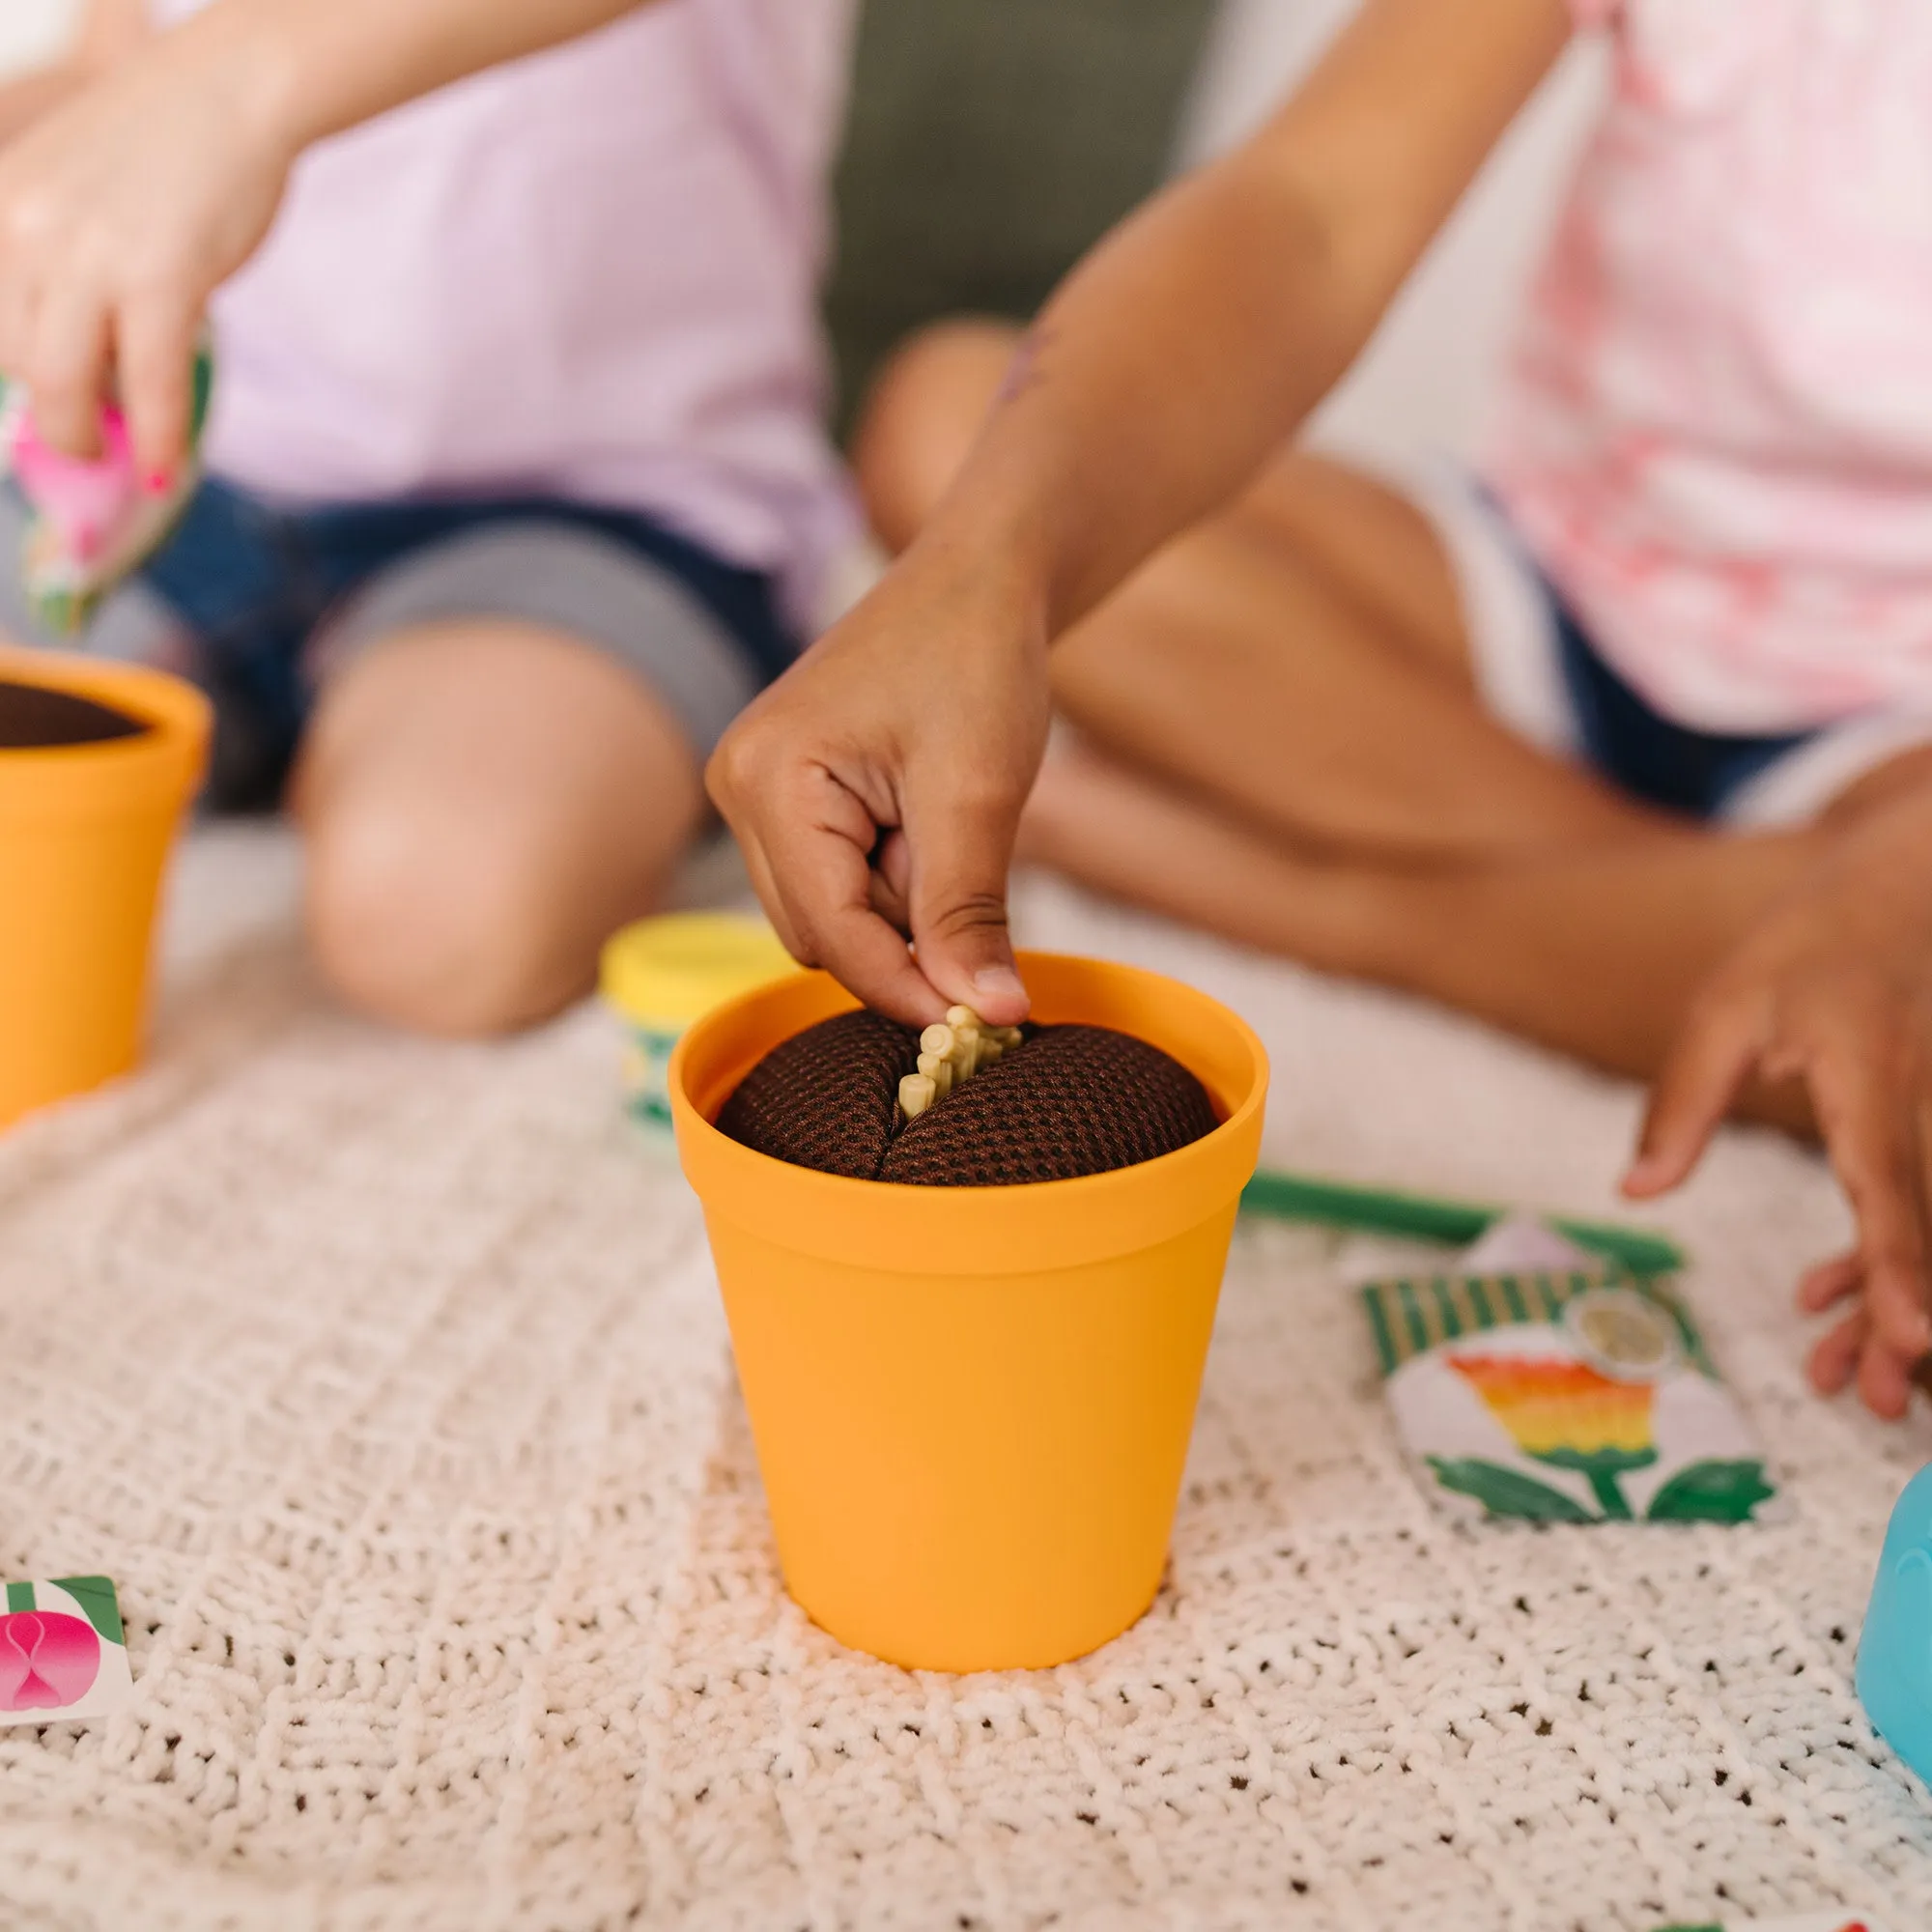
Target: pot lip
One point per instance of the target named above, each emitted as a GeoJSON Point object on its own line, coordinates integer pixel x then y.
{"type": "Point", "coordinates": [58, 779]}
{"type": "Point", "coordinates": [1137, 1203]}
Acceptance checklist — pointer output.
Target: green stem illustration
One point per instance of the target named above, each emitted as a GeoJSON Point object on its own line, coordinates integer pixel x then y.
{"type": "Point", "coordinates": [1601, 1469]}
{"type": "Point", "coordinates": [1610, 1496]}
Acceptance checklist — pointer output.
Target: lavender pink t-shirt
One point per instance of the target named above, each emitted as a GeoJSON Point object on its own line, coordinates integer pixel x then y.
{"type": "Point", "coordinates": [589, 272]}
{"type": "Point", "coordinates": [1716, 432]}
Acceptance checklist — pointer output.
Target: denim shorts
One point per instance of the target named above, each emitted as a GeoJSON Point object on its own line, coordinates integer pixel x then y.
{"type": "Point", "coordinates": [1540, 672]}
{"type": "Point", "coordinates": [260, 603]}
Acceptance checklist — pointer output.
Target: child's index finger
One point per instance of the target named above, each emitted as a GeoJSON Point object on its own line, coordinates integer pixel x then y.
{"type": "Point", "coordinates": [155, 365]}
{"type": "Point", "coordinates": [1707, 1064]}
{"type": "Point", "coordinates": [821, 877]}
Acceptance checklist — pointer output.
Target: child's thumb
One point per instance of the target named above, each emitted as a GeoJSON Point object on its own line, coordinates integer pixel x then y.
{"type": "Point", "coordinates": [960, 917]}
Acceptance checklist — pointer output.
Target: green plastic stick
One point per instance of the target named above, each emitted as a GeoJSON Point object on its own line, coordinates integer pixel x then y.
{"type": "Point", "coordinates": [1306, 1197]}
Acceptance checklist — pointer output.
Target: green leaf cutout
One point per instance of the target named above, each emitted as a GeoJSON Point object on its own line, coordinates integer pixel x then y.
{"type": "Point", "coordinates": [95, 1596]}
{"type": "Point", "coordinates": [1506, 1491]}
{"type": "Point", "coordinates": [1712, 1492]}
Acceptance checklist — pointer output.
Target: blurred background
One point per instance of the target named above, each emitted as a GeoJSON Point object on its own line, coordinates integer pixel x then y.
{"type": "Point", "coordinates": [989, 141]}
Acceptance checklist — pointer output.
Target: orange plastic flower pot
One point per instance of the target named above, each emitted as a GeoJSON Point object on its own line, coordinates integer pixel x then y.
{"type": "Point", "coordinates": [85, 832]}
{"type": "Point", "coordinates": [972, 1404]}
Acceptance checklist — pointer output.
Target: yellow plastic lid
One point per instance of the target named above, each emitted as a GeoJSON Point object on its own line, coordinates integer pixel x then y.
{"type": "Point", "coordinates": [670, 971]}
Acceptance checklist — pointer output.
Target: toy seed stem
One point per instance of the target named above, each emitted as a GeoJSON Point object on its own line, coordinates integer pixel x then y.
{"type": "Point", "coordinates": [966, 1047]}
{"type": "Point", "coordinates": [956, 1049]}
{"type": "Point", "coordinates": [917, 1092]}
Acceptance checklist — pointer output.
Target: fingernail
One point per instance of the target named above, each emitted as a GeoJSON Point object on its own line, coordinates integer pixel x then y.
{"type": "Point", "coordinates": [999, 983]}
{"type": "Point", "coordinates": [1643, 1172]}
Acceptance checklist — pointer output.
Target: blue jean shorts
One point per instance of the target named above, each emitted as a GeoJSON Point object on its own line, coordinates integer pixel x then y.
{"type": "Point", "coordinates": [260, 603]}
{"type": "Point", "coordinates": [1541, 674]}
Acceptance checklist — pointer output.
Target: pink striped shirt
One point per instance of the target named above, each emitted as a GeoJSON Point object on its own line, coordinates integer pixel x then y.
{"type": "Point", "coordinates": [1716, 432]}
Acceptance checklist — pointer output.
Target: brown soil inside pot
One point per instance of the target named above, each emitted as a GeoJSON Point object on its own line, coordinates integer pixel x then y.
{"type": "Point", "coordinates": [35, 716]}
{"type": "Point", "coordinates": [1070, 1100]}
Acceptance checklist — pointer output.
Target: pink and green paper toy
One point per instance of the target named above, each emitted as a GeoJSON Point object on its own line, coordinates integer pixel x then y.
{"type": "Point", "coordinates": [92, 520]}
{"type": "Point", "coordinates": [62, 1652]}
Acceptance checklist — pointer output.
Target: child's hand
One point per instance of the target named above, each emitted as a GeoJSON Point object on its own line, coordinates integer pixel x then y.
{"type": "Point", "coordinates": [122, 212]}
{"type": "Point", "coordinates": [1835, 985]}
{"type": "Point", "coordinates": [119, 214]}
{"type": "Point", "coordinates": [878, 786]}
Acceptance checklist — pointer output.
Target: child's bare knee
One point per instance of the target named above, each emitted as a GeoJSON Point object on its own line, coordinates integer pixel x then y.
{"type": "Point", "coordinates": [921, 415]}
{"type": "Point", "coordinates": [438, 939]}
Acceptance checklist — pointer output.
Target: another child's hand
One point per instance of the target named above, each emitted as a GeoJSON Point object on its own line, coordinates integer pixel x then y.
{"type": "Point", "coordinates": [877, 790]}
{"type": "Point", "coordinates": [119, 214]}
{"type": "Point", "coordinates": [1835, 986]}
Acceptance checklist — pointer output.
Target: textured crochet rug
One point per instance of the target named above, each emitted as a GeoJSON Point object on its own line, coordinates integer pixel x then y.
{"type": "Point", "coordinates": [390, 1380]}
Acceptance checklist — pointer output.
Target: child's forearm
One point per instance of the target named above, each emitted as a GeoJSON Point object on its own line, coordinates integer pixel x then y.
{"type": "Point", "coordinates": [1190, 344]}
{"type": "Point", "coordinates": [312, 68]}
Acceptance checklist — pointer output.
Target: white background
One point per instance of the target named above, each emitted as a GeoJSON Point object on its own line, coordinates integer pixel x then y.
{"type": "Point", "coordinates": [31, 29]}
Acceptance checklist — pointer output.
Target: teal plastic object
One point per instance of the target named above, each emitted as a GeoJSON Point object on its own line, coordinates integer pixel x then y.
{"type": "Point", "coordinates": [1894, 1674]}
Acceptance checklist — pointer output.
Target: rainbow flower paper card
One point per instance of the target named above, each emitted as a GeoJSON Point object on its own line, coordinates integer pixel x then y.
{"type": "Point", "coordinates": [1563, 1396]}
{"type": "Point", "coordinates": [62, 1652]}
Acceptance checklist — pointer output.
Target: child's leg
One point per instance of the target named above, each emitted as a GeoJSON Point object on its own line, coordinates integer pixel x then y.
{"type": "Point", "coordinates": [485, 800]}
{"type": "Point", "coordinates": [1300, 660]}
{"type": "Point", "coordinates": [1257, 664]}
{"type": "Point", "coordinates": [1594, 950]}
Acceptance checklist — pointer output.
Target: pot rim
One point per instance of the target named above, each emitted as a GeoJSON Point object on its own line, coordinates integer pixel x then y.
{"type": "Point", "coordinates": [1026, 1227]}
{"type": "Point", "coordinates": [157, 768]}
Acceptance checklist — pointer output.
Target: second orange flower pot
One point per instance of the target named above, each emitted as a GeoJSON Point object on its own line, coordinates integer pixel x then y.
{"type": "Point", "coordinates": [85, 832]}
{"type": "Point", "coordinates": [972, 1405]}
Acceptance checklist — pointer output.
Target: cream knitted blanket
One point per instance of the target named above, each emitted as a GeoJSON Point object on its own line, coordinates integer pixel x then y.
{"type": "Point", "coordinates": [388, 1379]}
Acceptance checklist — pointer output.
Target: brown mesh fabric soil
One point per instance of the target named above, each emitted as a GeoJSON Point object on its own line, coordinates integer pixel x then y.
{"type": "Point", "coordinates": [1073, 1100]}
{"type": "Point", "coordinates": [827, 1096]}
{"type": "Point", "coordinates": [35, 715]}
{"type": "Point", "coordinates": [1070, 1102]}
